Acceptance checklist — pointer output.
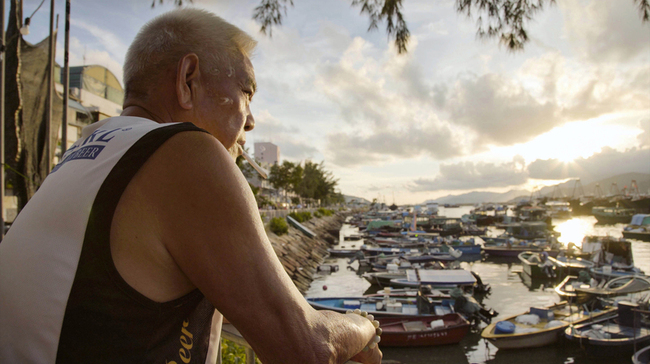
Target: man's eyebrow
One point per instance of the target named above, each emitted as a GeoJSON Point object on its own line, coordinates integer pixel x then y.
{"type": "Point", "coordinates": [249, 82]}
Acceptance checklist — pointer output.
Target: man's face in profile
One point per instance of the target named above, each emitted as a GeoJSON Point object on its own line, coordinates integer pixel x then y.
{"type": "Point", "coordinates": [224, 108]}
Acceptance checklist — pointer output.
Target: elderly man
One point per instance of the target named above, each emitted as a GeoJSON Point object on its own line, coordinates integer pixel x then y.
{"type": "Point", "coordinates": [146, 227]}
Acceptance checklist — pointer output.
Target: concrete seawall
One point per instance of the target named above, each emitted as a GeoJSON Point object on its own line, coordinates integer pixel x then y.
{"type": "Point", "coordinates": [301, 255]}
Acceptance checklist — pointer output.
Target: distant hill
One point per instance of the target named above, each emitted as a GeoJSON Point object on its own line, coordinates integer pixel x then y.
{"type": "Point", "coordinates": [479, 197]}
{"type": "Point", "coordinates": [560, 190]}
{"type": "Point", "coordinates": [358, 199]}
{"type": "Point", "coordinates": [606, 187]}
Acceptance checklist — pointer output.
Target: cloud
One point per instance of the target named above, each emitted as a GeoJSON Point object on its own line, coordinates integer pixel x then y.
{"type": "Point", "coordinates": [386, 107]}
{"type": "Point", "coordinates": [500, 110]}
{"type": "Point", "coordinates": [288, 138]}
{"type": "Point", "coordinates": [609, 162]}
{"type": "Point", "coordinates": [606, 31]}
{"type": "Point", "coordinates": [471, 175]}
{"type": "Point", "coordinates": [644, 137]}
{"type": "Point", "coordinates": [81, 55]}
{"type": "Point", "coordinates": [381, 146]}
{"type": "Point", "coordinates": [111, 42]}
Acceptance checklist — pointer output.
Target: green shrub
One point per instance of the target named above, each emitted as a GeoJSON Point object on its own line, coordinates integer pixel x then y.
{"type": "Point", "coordinates": [279, 226]}
{"type": "Point", "coordinates": [301, 216]}
{"type": "Point", "coordinates": [325, 212]}
{"type": "Point", "coordinates": [232, 353]}
{"type": "Point", "coordinates": [318, 214]}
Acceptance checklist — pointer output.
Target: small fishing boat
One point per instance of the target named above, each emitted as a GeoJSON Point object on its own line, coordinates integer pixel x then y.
{"type": "Point", "coordinates": [467, 247]}
{"type": "Point", "coordinates": [639, 228]}
{"type": "Point", "coordinates": [612, 215]}
{"type": "Point", "coordinates": [538, 326]}
{"type": "Point", "coordinates": [570, 266]}
{"type": "Point", "coordinates": [435, 278]}
{"type": "Point", "coordinates": [342, 252]}
{"type": "Point", "coordinates": [509, 251]}
{"type": "Point", "coordinates": [423, 331]}
{"type": "Point", "coordinates": [616, 287]}
{"type": "Point", "coordinates": [610, 336]}
{"type": "Point", "coordinates": [379, 306]}
{"type": "Point", "coordinates": [293, 222]}
{"type": "Point", "coordinates": [383, 278]}
{"type": "Point", "coordinates": [537, 265]}
{"type": "Point", "coordinates": [567, 288]}
{"type": "Point", "coordinates": [609, 272]}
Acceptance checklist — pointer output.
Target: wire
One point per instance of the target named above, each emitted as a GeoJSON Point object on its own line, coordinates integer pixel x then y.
{"type": "Point", "coordinates": [39, 6]}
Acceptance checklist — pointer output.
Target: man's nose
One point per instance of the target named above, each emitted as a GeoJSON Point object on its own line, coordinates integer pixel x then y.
{"type": "Point", "coordinates": [250, 122]}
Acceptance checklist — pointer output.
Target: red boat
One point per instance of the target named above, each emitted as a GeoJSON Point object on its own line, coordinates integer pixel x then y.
{"type": "Point", "coordinates": [423, 331]}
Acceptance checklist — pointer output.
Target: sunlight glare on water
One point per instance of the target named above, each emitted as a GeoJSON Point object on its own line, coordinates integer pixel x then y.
{"type": "Point", "coordinates": [573, 231]}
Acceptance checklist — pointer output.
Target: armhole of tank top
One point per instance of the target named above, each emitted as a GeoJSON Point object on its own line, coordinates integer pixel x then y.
{"type": "Point", "coordinates": [108, 196]}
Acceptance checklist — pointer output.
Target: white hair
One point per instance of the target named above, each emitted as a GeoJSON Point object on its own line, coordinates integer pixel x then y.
{"type": "Point", "coordinates": [164, 40]}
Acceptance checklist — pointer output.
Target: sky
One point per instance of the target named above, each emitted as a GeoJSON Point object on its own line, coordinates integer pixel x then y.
{"type": "Point", "coordinates": [452, 115]}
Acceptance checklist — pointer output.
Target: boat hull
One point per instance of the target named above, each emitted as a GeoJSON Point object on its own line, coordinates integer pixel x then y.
{"type": "Point", "coordinates": [542, 337]}
{"type": "Point", "coordinates": [636, 236]}
{"type": "Point", "coordinates": [455, 329]}
{"type": "Point", "coordinates": [529, 341]}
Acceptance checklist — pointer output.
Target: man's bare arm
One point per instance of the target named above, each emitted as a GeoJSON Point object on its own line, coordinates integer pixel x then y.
{"type": "Point", "coordinates": [207, 219]}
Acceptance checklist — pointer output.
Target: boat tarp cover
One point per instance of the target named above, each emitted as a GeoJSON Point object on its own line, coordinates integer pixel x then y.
{"type": "Point", "coordinates": [441, 276]}
{"type": "Point", "coordinates": [381, 223]}
{"type": "Point", "coordinates": [640, 219]}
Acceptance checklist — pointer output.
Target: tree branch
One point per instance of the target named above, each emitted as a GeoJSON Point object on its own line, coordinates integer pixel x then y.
{"type": "Point", "coordinates": [644, 9]}
{"type": "Point", "coordinates": [505, 19]}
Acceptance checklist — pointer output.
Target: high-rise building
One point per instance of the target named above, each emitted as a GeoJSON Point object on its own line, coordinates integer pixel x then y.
{"type": "Point", "coordinates": [267, 153]}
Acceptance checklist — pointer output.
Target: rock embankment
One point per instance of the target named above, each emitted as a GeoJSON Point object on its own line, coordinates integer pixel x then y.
{"type": "Point", "coordinates": [301, 255]}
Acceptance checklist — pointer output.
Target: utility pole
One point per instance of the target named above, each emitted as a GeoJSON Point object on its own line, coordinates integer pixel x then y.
{"type": "Point", "coordinates": [66, 81]}
{"type": "Point", "coordinates": [50, 95]}
{"type": "Point", "coordinates": [2, 118]}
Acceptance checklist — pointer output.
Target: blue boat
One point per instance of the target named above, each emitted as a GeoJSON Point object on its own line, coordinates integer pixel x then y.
{"type": "Point", "coordinates": [379, 307]}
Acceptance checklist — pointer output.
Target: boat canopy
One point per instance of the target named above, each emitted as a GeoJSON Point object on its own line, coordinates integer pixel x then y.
{"type": "Point", "coordinates": [441, 276]}
{"type": "Point", "coordinates": [381, 223]}
{"type": "Point", "coordinates": [640, 219]}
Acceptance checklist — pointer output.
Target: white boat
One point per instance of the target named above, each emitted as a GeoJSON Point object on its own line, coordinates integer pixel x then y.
{"type": "Point", "coordinates": [538, 326]}
{"type": "Point", "coordinates": [435, 278]}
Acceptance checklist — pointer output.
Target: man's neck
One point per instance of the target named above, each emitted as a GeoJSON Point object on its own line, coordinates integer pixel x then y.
{"type": "Point", "coordinates": [143, 112]}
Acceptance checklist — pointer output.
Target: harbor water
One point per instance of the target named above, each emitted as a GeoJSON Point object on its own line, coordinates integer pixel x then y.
{"type": "Point", "coordinates": [512, 293]}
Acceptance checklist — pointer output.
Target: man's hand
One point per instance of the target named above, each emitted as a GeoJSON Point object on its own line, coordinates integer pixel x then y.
{"type": "Point", "coordinates": [372, 356]}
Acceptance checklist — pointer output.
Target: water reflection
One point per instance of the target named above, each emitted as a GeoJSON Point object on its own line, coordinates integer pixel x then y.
{"type": "Point", "coordinates": [574, 230]}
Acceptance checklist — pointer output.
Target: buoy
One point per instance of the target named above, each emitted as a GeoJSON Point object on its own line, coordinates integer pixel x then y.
{"type": "Point", "coordinates": [324, 288]}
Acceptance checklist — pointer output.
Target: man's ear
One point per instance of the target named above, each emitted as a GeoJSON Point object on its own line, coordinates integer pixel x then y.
{"type": "Point", "coordinates": [187, 80]}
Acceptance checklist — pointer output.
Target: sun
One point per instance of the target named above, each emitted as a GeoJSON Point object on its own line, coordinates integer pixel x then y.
{"type": "Point", "coordinates": [567, 158]}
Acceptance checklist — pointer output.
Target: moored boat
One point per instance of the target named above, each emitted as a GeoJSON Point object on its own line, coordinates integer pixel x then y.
{"type": "Point", "coordinates": [570, 266]}
{"type": "Point", "coordinates": [379, 306]}
{"type": "Point", "coordinates": [444, 278]}
{"type": "Point", "coordinates": [537, 265]}
{"type": "Point", "coordinates": [611, 336]}
{"type": "Point", "coordinates": [538, 326]}
{"type": "Point", "coordinates": [616, 287]}
{"type": "Point", "coordinates": [423, 331]}
{"type": "Point", "coordinates": [342, 252]}
{"type": "Point", "coordinates": [639, 228]}
{"type": "Point", "coordinates": [300, 227]}
{"type": "Point", "coordinates": [612, 215]}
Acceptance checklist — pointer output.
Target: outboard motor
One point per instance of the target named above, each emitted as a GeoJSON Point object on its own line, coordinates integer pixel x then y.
{"type": "Point", "coordinates": [471, 309]}
{"type": "Point", "coordinates": [480, 288]}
